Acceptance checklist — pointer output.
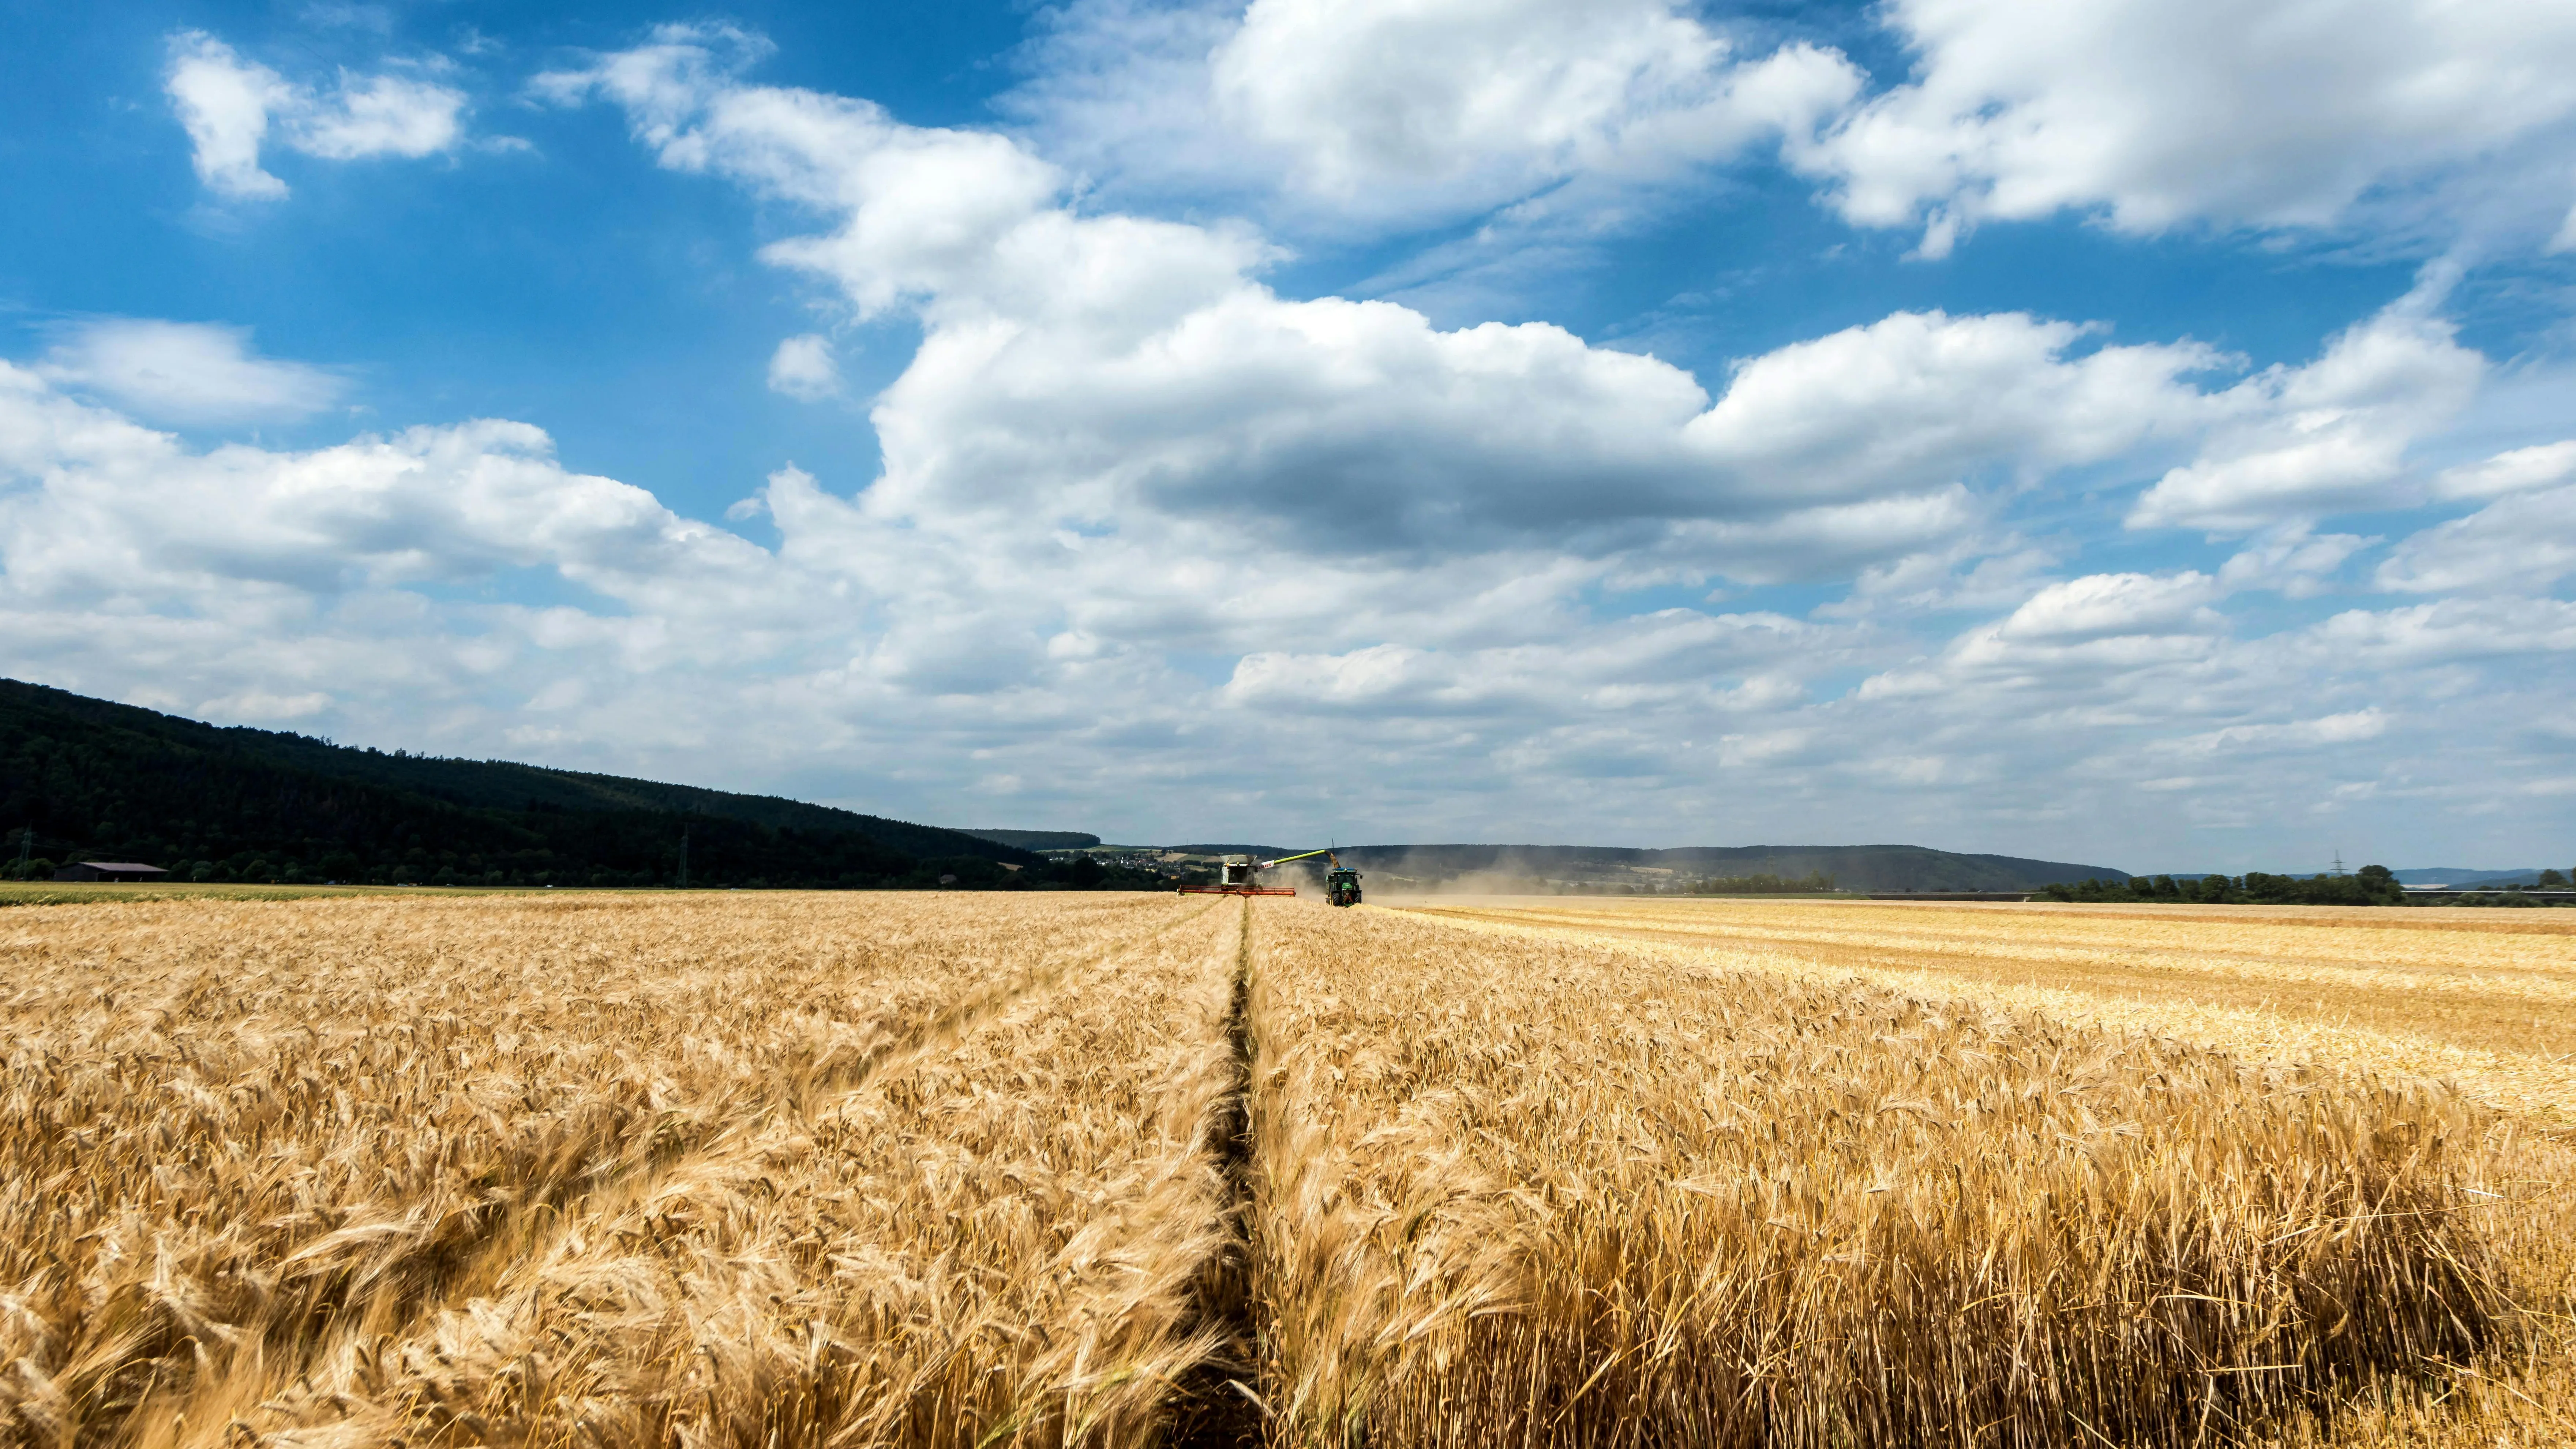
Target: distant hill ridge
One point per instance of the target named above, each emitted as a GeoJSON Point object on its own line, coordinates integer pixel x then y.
{"type": "Point", "coordinates": [99, 780]}
{"type": "Point", "coordinates": [1037, 839]}
{"type": "Point", "coordinates": [1853, 867]}
{"type": "Point", "coordinates": [104, 780]}
{"type": "Point", "coordinates": [2458, 876]}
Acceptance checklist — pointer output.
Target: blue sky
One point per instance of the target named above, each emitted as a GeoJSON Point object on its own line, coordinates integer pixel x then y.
{"type": "Point", "coordinates": [2120, 431]}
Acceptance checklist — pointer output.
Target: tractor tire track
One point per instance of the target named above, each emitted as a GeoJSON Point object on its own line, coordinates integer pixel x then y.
{"type": "Point", "coordinates": [1217, 1408]}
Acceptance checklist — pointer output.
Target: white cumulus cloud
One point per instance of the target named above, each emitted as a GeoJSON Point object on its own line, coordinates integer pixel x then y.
{"type": "Point", "coordinates": [2524, 542]}
{"type": "Point", "coordinates": [1150, 530]}
{"type": "Point", "coordinates": [2516, 470]}
{"type": "Point", "coordinates": [1373, 114]}
{"type": "Point", "coordinates": [224, 103]}
{"type": "Point", "coordinates": [2154, 113]}
{"type": "Point", "coordinates": [336, 587]}
{"type": "Point", "coordinates": [1369, 102]}
{"type": "Point", "coordinates": [2330, 436]}
{"type": "Point", "coordinates": [2333, 729]}
{"type": "Point", "coordinates": [804, 368]}
{"type": "Point", "coordinates": [1087, 370]}
{"type": "Point", "coordinates": [1117, 449]}
{"type": "Point", "coordinates": [228, 105]}
{"type": "Point", "coordinates": [378, 115]}
{"type": "Point", "coordinates": [2101, 605]}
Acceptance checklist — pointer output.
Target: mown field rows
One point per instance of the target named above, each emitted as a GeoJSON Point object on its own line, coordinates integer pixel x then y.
{"type": "Point", "coordinates": [2485, 1000]}
{"type": "Point", "coordinates": [771, 1170]}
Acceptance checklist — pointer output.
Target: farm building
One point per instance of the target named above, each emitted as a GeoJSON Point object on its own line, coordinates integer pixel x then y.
{"type": "Point", "coordinates": [109, 870]}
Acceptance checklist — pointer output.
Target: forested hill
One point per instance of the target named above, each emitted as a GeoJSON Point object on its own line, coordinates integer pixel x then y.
{"type": "Point", "coordinates": [1852, 867]}
{"type": "Point", "coordinates": [1039, 839]}
{"type": "Point", "coordinates": [102, 781]}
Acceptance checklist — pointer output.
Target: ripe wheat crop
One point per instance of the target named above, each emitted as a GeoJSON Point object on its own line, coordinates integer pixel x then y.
{"type": "Point", "coordinates": [240, 1142]}
{"type": "Point", "coordinates": [2485, 999]}
{"type": "Point", "coordinates": [1534, 1192]}
{"type": "Point", "coordinates": [836, 1171]}
{"type": "Point", "coordinates": [1001, 1235]}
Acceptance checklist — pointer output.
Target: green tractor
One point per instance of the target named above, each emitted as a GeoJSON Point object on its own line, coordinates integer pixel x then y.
{"type": "Point", "coordinates": [1342, 884]}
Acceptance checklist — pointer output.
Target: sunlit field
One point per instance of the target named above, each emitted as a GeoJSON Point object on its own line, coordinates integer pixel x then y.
{"type": "Point", "coordinates": [103, 893]}
{"type": "Point", "coordinates": [2483, 998]}
{"type": "Point", "coordinates": [772, 1169]}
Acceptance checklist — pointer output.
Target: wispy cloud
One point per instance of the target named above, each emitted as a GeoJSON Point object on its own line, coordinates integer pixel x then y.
{"type": "Point", "coordinates": [805, 368]}
{"type": "Point", "coordinates": [186, 372]}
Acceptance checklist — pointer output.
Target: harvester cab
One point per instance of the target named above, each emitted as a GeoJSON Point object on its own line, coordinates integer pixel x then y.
{"type": "Point", "coordinates": [1235, 876]}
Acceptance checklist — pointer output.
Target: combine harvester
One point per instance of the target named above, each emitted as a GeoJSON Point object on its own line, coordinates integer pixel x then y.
{"type": "Point", "coordinates": [1235, 872]}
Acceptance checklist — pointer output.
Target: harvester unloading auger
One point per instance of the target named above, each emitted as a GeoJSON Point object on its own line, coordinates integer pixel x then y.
{"type": "Point", "coordinates": [1234, 878]}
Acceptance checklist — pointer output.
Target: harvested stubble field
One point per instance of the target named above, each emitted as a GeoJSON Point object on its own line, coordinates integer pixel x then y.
{"type": "Point", "coordinates": [806, 1170]}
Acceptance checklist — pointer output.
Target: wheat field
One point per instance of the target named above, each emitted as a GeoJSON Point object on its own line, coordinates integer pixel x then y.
{"type": "Point", "coordinates": [244, 1143]}
{"type": "Point", "coordinates": [776, 1170]}
{"type": "Point", "coordinates": [2484, 999]}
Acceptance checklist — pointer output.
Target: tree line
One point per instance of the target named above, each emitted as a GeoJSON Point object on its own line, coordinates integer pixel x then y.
{"type": "Point", "coordinates": [1813, 883]}
{"type": "Point", "coordinates": [2372, 885]}
{"type": "Point", "coordinates": [121, 785]}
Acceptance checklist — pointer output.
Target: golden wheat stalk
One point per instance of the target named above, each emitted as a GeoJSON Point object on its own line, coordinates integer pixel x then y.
{"type": "Point", "coordinates": [772, 1170]}
{"type": "Point", "coordinates": [1539, 1193]}
{"type": "Point", "coordinates": [239, 1141]}
{"type": "Point", "coordinates": [999, 1234]}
